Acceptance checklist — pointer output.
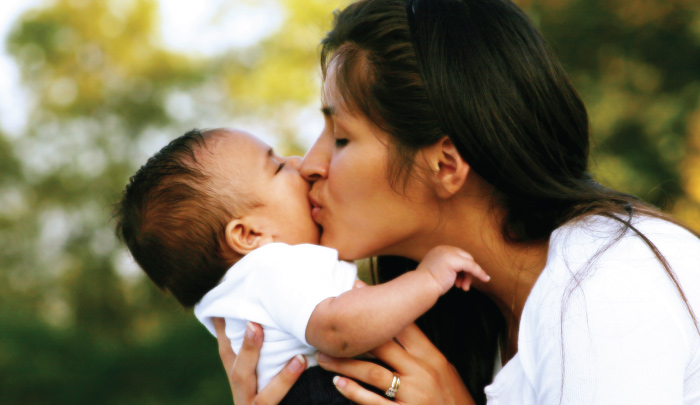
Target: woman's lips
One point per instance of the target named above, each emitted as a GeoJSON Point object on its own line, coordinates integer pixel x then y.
{"type": "Point", "coordinates": [315, 208]}
{"type": "Point", "coordinates": [315, 213]}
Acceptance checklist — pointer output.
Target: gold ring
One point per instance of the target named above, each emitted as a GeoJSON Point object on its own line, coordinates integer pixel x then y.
{"type": "Point", "coordinates": [395, 384]}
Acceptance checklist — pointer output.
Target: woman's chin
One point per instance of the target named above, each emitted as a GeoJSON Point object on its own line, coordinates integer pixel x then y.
{"type": "Point", "coordinates": [328, 242]}
{"type": "Point", "coordinates": [324, 240]}
{"type": "Point", "coordinates": [345, 250]}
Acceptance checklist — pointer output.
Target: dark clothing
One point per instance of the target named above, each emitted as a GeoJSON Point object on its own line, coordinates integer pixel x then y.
{"type": "Point", "coordinates": [315, 386]}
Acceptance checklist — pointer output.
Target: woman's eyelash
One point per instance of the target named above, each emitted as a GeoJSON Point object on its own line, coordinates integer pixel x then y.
{"type": "Point", "coordinates": [281, 167]}
{"type": "Point", "coordinates": [339, 143]}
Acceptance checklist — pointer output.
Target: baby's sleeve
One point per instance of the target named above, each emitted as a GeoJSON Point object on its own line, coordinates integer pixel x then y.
{"type": "Point", "coordinates": [296, 279]}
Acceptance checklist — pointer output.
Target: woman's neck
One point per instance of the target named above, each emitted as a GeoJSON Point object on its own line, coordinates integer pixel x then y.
{"type": "Point", "coordinates": [514, 269]}
{"type": "Point", "coordinates": [473, 224]}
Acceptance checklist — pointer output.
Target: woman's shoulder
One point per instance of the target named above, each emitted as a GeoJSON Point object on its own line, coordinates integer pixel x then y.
{"type": "Point", "coordinates": [596, 267]}
{"type": "Point", "coordinates": [598, 227]}
{"type": "Point", "coordinates": [605, 308]}
{"type": "Point", "coordinates": [598, 241]}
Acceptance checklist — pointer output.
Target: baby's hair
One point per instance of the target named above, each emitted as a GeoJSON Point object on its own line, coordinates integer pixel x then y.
{"type": "Point", "coordinates": [173, 220]}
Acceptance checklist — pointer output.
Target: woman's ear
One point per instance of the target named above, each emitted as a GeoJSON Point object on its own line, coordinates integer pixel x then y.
{"type": "Point", "coordinates": [448, 169]}
{"type": "Point", "coordinates": [243, 235]}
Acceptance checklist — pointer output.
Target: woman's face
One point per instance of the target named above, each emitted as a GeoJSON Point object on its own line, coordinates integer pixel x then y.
{"type": "Point", "coordinates": [360, 214]}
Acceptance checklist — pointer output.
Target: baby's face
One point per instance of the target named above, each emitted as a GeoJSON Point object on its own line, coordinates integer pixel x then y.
{"type": "Point", "coordinates": [269, 179]}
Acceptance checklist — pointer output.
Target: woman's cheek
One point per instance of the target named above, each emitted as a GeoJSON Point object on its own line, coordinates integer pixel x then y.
{"type": "Point", "coordinates": [344, 231]}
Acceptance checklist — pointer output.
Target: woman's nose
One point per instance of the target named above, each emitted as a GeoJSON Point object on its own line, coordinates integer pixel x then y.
{"type": "Point", "coordinates": [315, 164]}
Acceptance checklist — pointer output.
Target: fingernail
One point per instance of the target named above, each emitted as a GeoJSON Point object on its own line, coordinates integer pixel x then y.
{"type": "Point", "coordinates": [297, 363]}
{"type": "Point", "coordinates": [339, 382]}
{"type": "Point", "coordinates": [323, 358]}
{"type": "Point", "coordinates": [250, 331]}
{"type": "Point", "coordinates": [359, 284]}
{"type": "Point", "coordinates": [488, 278]}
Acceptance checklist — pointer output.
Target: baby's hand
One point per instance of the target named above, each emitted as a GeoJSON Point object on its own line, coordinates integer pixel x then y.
{"type": "Point", "coordinates": [450, 265]}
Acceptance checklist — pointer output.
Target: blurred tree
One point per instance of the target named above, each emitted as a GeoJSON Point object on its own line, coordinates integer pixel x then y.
{"type": "Point", "coordinates": [79, 325]}
{"type": "Point", "coordinates": [637, 66]}
{"type": "Point", "coordinates": [98, 81]}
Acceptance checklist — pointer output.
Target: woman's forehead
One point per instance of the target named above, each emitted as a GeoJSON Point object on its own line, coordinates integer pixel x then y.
{"type": "Point", "coordinates": [330, 96]}
{"type": "Point", "coordinates": [348, 82]}
{"type": "Point", "coordinates": [339, 102]}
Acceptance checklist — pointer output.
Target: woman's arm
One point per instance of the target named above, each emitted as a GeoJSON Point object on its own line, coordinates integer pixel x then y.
{"type": "Point", "coordinates": [362, 319]}
{"type": "Point", "coordinates": [425, 374]}
{"type": "Point", "coordinates": [241, 369]}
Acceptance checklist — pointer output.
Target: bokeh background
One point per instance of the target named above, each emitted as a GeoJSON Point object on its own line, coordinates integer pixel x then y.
{"type": "Point", "coordinates": [89, 89]}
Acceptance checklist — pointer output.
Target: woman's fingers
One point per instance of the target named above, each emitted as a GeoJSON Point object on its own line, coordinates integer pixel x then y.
{"type": "Point", "coordinates": [425, 375]}
{"type": "Point", "coordinates": [225, 351]}
{"type": "Point", "coordinates": [243, 378]}
{"type": "Point", "coordinates": [241, 369]}
{"type": "Point", "coordinates": [359, 284]}
{"type": "Point", "coordinates": [279, 386]}
{"type": "Point", "coordinates": [365, 371]}
{"type": "Point", "coordinates": [354, 392]}
{"type": "Point", "coordinates": [415, 343]}
{"type": "Point", "coordinates": [391, 353]}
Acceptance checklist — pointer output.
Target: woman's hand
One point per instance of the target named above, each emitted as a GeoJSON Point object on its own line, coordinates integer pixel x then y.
{"type": "Point", "coordinates": [241, 369]}
{"type": "Point", "coordinates": [426, 377]}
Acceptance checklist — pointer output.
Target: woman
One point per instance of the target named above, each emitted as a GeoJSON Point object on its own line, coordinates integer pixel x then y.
{"type": "Point", "coordinates": [451, 122]}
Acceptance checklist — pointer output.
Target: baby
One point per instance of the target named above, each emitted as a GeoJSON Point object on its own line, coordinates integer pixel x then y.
{"type": "Point", "coordinates": [221, 221]}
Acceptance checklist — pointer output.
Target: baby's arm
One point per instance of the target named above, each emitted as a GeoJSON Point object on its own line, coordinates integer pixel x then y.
{"type": "Point", "coordinates": [364, 318]}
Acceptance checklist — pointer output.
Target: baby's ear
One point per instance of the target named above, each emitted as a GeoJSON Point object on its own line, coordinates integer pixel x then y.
{"type": "Point", "coordinates": [243, 235]}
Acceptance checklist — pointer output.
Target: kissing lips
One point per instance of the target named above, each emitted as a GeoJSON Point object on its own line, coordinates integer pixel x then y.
{"type": "Point", "coordinates": [315, 208]}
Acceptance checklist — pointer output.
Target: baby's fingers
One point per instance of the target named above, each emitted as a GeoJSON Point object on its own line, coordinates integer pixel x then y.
{"type": "Point", "coordinates": [464, 281]}
{"type": "Point", "coordinates": [470, 267]}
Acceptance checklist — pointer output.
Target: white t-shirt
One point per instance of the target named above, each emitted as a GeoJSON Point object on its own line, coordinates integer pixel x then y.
{"type": "Point", "coordinates": [277, 286]}
{"type": "Point", "coordinates": [620, 334]}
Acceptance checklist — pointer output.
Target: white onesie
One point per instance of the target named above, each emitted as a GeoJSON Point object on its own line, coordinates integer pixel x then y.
{"type": "Point", "coordinates": [277, 286]}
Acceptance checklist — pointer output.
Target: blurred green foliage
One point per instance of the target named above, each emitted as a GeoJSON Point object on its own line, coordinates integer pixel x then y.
{"type": "Point", "coordinates": [79, 324]}
{"type": "Point", "coordinates": [637, 66]}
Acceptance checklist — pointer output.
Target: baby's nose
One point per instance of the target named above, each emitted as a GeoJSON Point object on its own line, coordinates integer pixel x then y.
{"type": "Point", "coordinates": [294, 161]}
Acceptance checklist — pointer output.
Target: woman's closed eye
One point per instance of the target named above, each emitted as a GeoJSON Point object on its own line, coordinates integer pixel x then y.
{"type": "Point", "coordinates": [281, 166]}
{"type": "Point", "coordinates": [340, 142]}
